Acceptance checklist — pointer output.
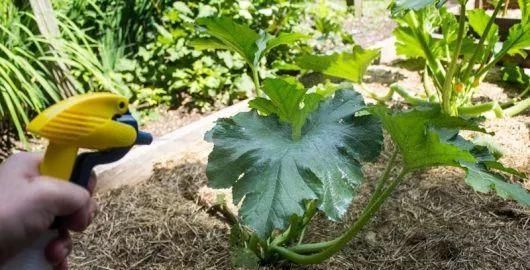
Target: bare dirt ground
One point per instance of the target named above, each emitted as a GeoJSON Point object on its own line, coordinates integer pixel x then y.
{"type": "Point", "coordinates": [432, 221]}
{"type": "Point", "coordinates": [164, 120]}
{"type": "Point", "coordinates": [375, 24]}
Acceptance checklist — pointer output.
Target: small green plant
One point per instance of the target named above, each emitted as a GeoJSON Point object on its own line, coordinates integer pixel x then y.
{"type": "Point", "coordinates": [456, 62]}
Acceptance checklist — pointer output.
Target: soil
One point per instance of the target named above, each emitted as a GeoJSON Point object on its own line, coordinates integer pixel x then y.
{"type": "Point", "coordinates": [375, 24]}
{"type": "Point", "coordinates": [432, 221]}
{"type": "Point", "coordinates": [163, 120]}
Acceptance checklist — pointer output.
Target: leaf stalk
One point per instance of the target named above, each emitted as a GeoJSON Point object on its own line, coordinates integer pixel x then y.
{"type": "Point", "coordinates": [448, 83]}
{"type": "Point", "coordinates": [324, 250]}
{"type": "Point", "coordinates": [481, 42]}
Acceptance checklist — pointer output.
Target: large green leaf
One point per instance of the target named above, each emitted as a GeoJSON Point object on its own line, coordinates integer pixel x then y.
{"type": "Point", "coordinates": [485, 181]}
{"type": "Point", "coordinates": [413, 35]}
{"type": "Point", "coordinates": [272, 174]}
{"type": "Point", "coordinates": [482, 178]}
{"type": "Point", "coordinates": [240, 38]}
{"type": "Point", "coordinates": [208, 44]}
{"type": "Point", "coordinates": [228, 34]}
{"type": "Point", "coordinates": [284, 39]}
{"type": "Point", "coordinates": [515, 74]}
{"type": "Point", "coordinates": [478, 19]}
{"type": "Point", "coordinates": [518, 40]}
{"type": "Point", "coordinates": [426, 137]}
{"type": "Point", "coordinates": [421, 139]}
{"type": "Point", "coordinates": [350, 66]}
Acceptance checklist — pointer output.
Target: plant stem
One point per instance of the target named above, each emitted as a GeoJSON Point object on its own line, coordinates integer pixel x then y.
{"type": "Point", "coordinates": [431, 97]}
{"type": "Point", "coordinates": [518, 108]}
{"type": "Point", "coordinates": [367, 214]}
{"type": "Point", "coordinates": [479, 109]}
{"type": "Point", "coordinates": [384, 177]}
{"type": "Point", "coordinates": [436, 66]}
{"type": "Point", "coordinates": [309, 214]}
{"type": "Point", "coordinates": [315, 247]}
{"type": "Point", "coordinates": [476, 53]}
{"type": "Point", "coordinates": [255, 79]}
{"type": "Point", "coordinates": [516, 99]}
{"type": "Point", "coordinates": [405, 95]}
{"type": "Point", "coordinates": [296, 224]}
{"type": "Point", "coordinates": [448, 83]}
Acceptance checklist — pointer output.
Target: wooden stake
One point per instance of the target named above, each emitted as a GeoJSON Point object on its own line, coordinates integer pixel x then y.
{"type": "Point", "coordinates": [48, 27]}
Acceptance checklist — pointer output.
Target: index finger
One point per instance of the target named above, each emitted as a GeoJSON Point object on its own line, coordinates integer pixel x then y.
{"type": "Point", "coordinates": [24, 164]}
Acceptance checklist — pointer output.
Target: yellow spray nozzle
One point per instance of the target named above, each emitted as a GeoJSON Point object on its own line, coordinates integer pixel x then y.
{"type": "Point", "coordinates": [84, 121]}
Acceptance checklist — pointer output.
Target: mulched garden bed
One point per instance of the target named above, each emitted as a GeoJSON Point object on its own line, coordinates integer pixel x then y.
{"type": "Point", "coordinates": [433, 221]}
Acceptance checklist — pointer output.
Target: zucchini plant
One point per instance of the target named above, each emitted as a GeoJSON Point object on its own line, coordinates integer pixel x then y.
{"type": "Point", "coordinates": [456, 62]}
{"type": "Point", "coordinates": [227, 34]}
{"type": "Point", "coordinates": [300, 151]}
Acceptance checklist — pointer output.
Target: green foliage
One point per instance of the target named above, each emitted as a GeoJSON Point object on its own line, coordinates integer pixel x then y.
{"type": "Point", "coordinates": [251, 46]}
{"type": "Point", "coordinates": [169, 61]}
{"type": "Point", "coordinates": [288, 101]}
{"type": "Point", "coordinates": [273, 175]}
{"type": "Point", "coordinates": [172, 56]}
{"type": "Point", "coordinates": [280, 182]}
{"type": "Point", "coordinates": [426, 137]}
{"type": "Point", "coordinates": [241, 39]}
{"type": "Point", "coordinates": [400, 5]}
{"type": "Point", "coordinates": [483, 180]}
{"type": "Point", "coordinates": [417, 134]}
{"type": "Point", "coordinates": [26, 84]}
{"type": "Point", "coordinates": [458, 62]}
{"type": "Point", "coordinates": [350, 66]}
{"type": "Point", "coordinates": [515, 74]}
{"type": "Point", "coordinates": [115, 31]}
{"type": "Point", "coordinates": [518, 40]}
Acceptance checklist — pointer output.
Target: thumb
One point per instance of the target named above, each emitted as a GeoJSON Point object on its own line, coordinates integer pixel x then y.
{"type": "Point", "coordinates": [59, 198]}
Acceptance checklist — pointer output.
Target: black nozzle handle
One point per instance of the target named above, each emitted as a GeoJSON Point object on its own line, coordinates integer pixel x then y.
{"type": "Point", "coordinates": [143, 138]}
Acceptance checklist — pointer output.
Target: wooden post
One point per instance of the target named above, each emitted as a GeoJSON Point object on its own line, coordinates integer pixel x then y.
{"type": "Point", "coordinates": [358, 8]}
{"type": "Point", "coordinates": [48, 27]}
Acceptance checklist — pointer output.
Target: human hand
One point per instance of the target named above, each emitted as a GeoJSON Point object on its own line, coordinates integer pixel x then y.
{"type": "Point", "coordinates": [29, 203]}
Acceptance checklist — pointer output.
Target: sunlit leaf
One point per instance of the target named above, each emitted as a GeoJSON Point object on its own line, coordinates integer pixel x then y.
{"type": "Point", "coordinates": [518, 40]}
{"type": "Point", "coordinates": [419, 135]}
{"type": "Point", "coordinates": [414, 33]}
{"type": "Point", "coordinates": [478, 19]}
{"type": "Point", "coordinates": [252, 46]}
{"type": "Point", "coordinates": [350, 66]}
{"type": "Point", "coordinates": [288, 100]}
